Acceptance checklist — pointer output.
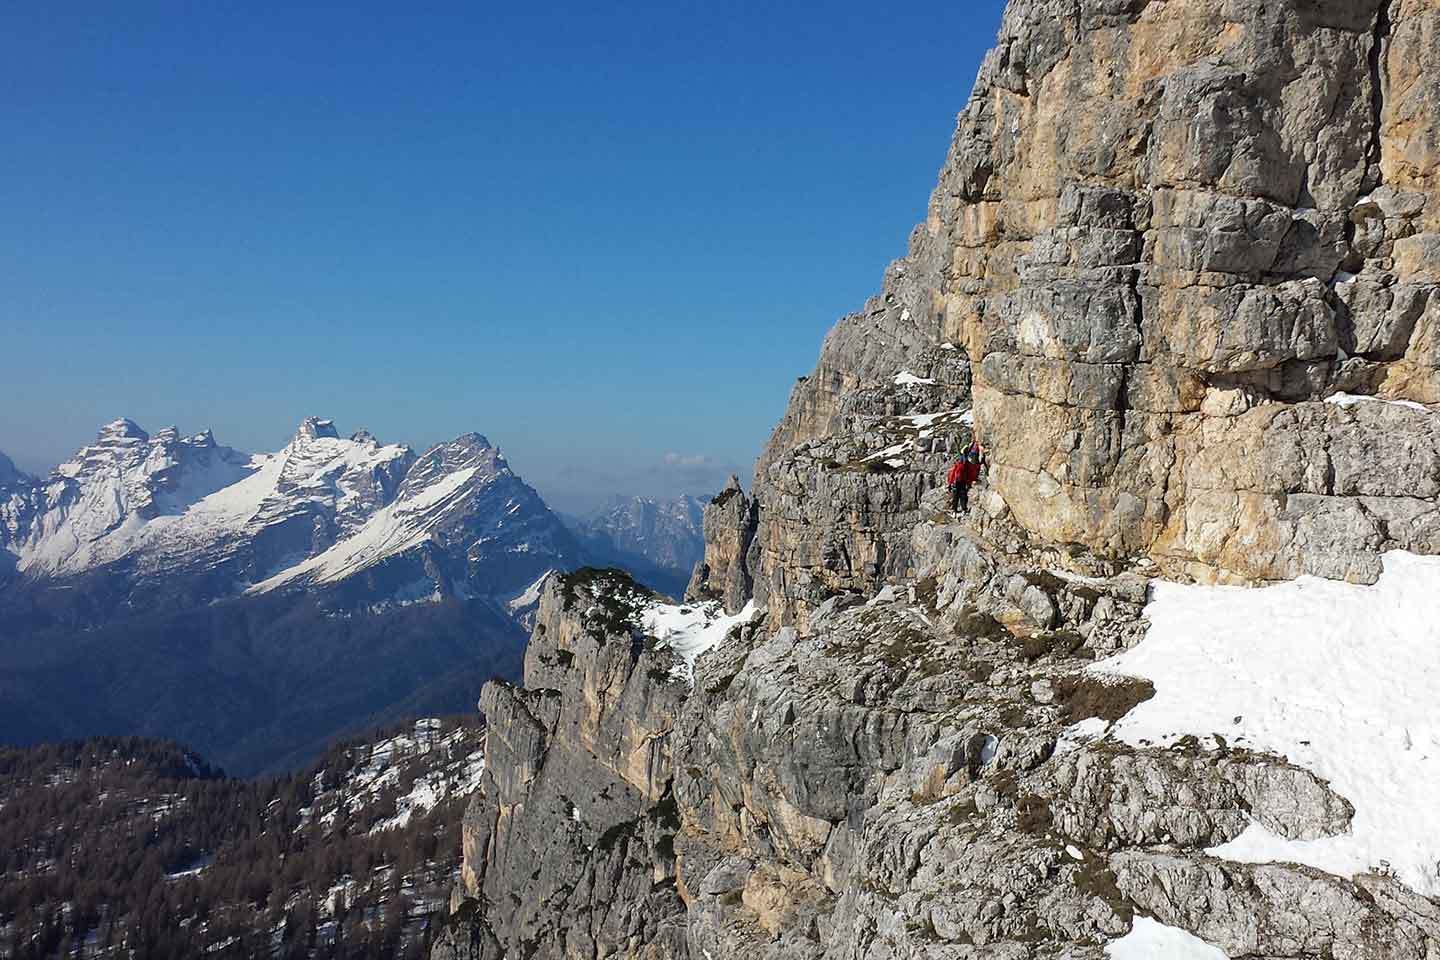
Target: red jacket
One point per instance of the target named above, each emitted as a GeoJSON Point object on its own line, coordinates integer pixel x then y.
{"type": "Point", "coordinates": [963, 472]}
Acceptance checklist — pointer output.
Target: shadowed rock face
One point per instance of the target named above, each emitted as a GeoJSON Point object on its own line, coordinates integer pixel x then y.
{"type": "Point", "coordinates": [1166, 233]}
{"type": "Point", "coordinates": [569, 842]}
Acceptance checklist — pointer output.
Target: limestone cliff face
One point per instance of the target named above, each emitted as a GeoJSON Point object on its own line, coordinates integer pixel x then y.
{"type": "Point", "coordinates": [1163, 233]}
{"type": "Point", "coordinates": [1179, 255]}
{"type": "Point", "coordinates": [569, 842]}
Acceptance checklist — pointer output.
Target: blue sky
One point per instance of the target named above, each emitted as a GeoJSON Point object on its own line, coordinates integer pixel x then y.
{"type": "Point", "coordinates": [608, 236]}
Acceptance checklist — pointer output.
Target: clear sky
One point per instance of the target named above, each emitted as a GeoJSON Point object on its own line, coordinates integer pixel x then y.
{"type": "Point", "coordinates": [607, 236]}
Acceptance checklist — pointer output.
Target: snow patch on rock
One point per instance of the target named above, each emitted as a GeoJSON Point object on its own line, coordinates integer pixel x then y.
{"type": "Point", "coordinates": [1343, 399]}
{"type": "Point", "coordinates": [1151, 940]}
{"type": "Point", "coordinates": [1339, 678]}
{"type": "Point", "coordinates": [690, 629]}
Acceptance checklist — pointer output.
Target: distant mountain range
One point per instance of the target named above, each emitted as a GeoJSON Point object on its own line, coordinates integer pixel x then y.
{"type": "Point", "coordinates": [255, 606]}
{"type": "Point", "coordinates": [172, 520]}
{"type": "Point", "coordinates": [663, 538]}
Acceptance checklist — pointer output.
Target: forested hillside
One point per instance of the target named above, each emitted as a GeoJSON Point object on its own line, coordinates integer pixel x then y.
{"type": "Point", "coordinates": [128, 847]}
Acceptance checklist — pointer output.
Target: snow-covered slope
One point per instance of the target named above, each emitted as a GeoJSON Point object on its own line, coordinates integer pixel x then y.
{"type": "Point", "coordinates": [95, 507]}
{"type": "Point", "coordinates": [166, 500]}
{"type": "Point", "coordinates": [461, 522]}
{"type": "Point", "coordinates": [1337, 678]}
{"type": "Point", "coordinates": [170, 513]}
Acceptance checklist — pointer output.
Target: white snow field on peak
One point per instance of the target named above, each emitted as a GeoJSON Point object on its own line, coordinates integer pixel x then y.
{"type": "Point", "coordinates": [314, 513]}
{"type": "Point", "coordinates": [690, 629]}
{"type": "Point", "coordinates": [162, 498]}
{"type": "Point", "coordinates": [393, 529]}
{"type": "Point", "coordinates": [1338, 678]}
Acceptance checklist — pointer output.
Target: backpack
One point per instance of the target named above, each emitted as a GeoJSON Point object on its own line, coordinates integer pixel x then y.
{"type": "Point", "coordinates": [970, 472]}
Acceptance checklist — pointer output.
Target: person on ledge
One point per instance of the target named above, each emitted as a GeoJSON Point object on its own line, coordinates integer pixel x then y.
{"type": "Point", "coordinates": [964, 472]}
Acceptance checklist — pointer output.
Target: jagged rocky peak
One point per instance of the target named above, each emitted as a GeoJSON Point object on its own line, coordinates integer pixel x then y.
{"type": "Point", "coordinates": [313, 428]}
{"type": "Point", "coordinates": [122, 428]}
{"type": "Point", "coordinates": [323, 471]}
{"type": "Point", "coordinates": [10, 475]}
{"type": "Point", "coordinates": [204, 521]}
{"type": "Point", "coordinates": [1195, 312]}
{"type": "Point", "coordinates": [454, 521]}
{"type": "Point", "coordinates": [469, 452]}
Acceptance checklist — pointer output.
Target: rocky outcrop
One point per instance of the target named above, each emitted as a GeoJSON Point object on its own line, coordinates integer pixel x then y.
{"type": "Point", "coordinates": [1155, 290]}
{"type": "Point", "coordinates": [569, 843]}
{"type": "Point", "coordinates": [1180, 276]}
{"type": "Point", "coordinates": [906, 781]}
{"type": "Point", "coordinates": [1202, 244]}
{"type": "Point", "coordinates": [726, 573]}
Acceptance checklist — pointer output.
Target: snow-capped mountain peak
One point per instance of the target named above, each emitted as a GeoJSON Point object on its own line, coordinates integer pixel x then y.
{"type": "Point", "coordinates": [164, 509]}
{"type": "Point", "coordinates": [314, 428]}
{"type": "Point", "coordinates": [461, 523]}
{"type": "Point", "coordinates": [94, 507]}
{"type": "Point", "coordinates": [347, 480]}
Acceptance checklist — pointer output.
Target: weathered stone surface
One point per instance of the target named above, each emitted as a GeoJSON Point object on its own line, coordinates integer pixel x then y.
{"type": "Point", "coordinates": [569, 841]}
{"type": "Point", "coordinates": [725, 573]}
{"type": "Point", "coordinates": [898, 782]}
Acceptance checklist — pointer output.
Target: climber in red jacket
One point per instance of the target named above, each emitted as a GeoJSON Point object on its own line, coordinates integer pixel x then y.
{"type": "Point", "coordinates": [965, 471]}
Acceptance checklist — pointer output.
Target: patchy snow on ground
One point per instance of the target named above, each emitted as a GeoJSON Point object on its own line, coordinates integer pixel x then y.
{"type": "Point", "coordinates": [193, 869]}
{"type": "Point", "coordinates": [451, 773]}
{"type": "Point", "coordinates": [1339, 678]}
{"type": "Point", "coordinates": [1350, 399]}
{"type": "Point", "coordinates": [890, 453]}
{"type": "Point", "coordinates": [925, 421]}
{"type": "Point", "coordinates": [1151, 940]}
{"type": "Point", "coordinates": [905, 378]}
{"type": "Point", "coordinates": [690, 629]}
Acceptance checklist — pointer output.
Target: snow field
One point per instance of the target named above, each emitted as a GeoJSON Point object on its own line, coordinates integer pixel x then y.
{"type": "Point", "coordinates": [690, 629]}
{"type": "Point", "coordinates": [1338, 678]}
{"type": "Point", "coordinates": [1151, 940]}
{"type": "Point", "coordinates": [393, 529]}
